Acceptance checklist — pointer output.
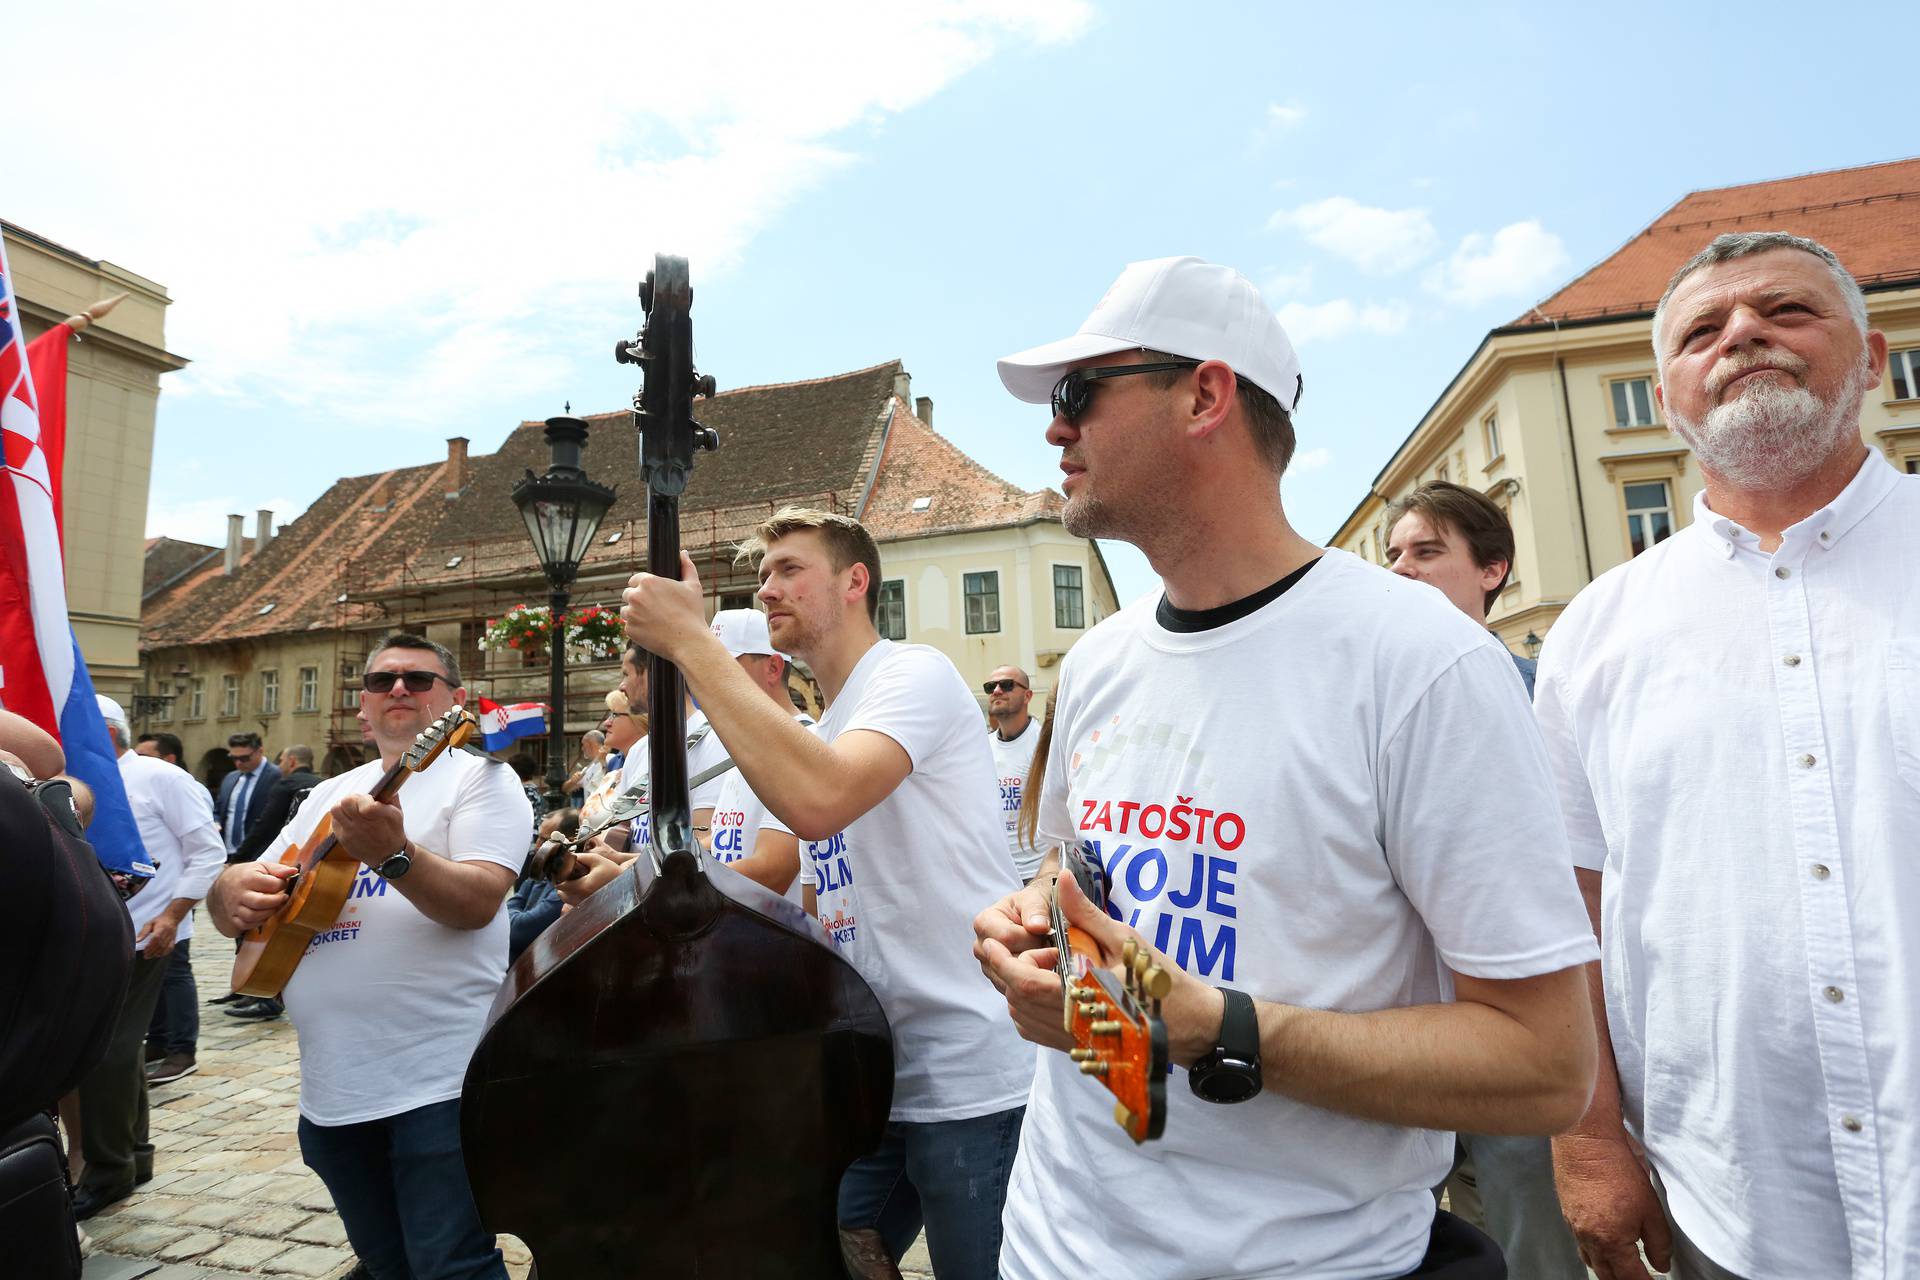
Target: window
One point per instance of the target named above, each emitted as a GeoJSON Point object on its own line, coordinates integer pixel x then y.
{"type": "Point", "coordinates": [164, 710]}
{"type": "Point", "coordinates": [1649, 514]}
{"type": "Point", "coordinates": [983, 602]}
{"type": "Point", "coordinates": [309, 689]}
{"type": "Point", "coordinates": [1069, 601]}
{"type": "Point", "coordinates": [1906, 373]}
{"type": "Point", "coordinates": [736, 600]}
{"type": "Point", "coordinates": [1440, 473]}
{"type": "Point", "coordinates": [197, 699]}
{"type": "Point", "coordinates": [1913, 465]}
{"type": "Point", "coordinates": [1491, 429]}
{"type": "Point", "coordinates": [1632, 403]}
{"type": "Point", "coordinates": [892, 618]}
{"type": "Point", "coordinates": [269, 693]}
{"type": "Point", "coordinates": [229, 695]}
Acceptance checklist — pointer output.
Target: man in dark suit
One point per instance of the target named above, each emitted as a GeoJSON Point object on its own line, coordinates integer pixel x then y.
{"type": "Point", "coordinates": [243, 807]}
{"type": "Point", "coordinates": [243, 793]}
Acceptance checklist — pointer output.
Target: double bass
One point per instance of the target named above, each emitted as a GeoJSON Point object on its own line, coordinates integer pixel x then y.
{"type": "Point", "coordinates": [675, 1075]}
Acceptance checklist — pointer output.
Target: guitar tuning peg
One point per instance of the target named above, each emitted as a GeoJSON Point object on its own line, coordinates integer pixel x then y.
{"type": "Point", "coordinates": [1156, 982]}
{"type": "Point", "coordinates": [1093, 1068]}
{"type": "Point", "coordinates": [705, 438]}
{"type": "Point", "coordinates": [703, 385]}
{"type": "Point", "coordinates": [1128, 950]}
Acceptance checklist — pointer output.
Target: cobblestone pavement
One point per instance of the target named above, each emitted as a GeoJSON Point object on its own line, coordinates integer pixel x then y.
{"type": "Point", "coordinates": [230, 1196]}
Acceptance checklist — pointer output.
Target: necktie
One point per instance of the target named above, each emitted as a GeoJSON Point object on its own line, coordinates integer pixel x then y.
{"type": "Point", "coordinates": [237, 826]}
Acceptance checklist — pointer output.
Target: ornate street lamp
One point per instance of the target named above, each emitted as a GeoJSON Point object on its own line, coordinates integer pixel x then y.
{"type": "Point", "coordinates": [563, 510]}
{"type": "Point", "coordinates": [1532, 644]}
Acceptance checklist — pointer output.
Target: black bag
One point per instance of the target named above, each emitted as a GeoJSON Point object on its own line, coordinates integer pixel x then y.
{"type": "Point", "coordinates": [36, 1210]}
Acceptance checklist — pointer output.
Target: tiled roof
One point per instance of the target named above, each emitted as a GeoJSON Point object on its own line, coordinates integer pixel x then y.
{"type": "Point", "coordinates": [168, 559]}
{"type": "Point", "coordinates": [920, 463]}
{"type": "Point", "coordinates": [1869, 217]}
{"type": "Point", "coordinates": [401, 536]}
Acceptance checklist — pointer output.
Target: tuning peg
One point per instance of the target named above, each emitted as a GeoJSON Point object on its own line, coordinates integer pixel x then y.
{"type": "Point", "coordinates": [1128, 950]}
{"type": "Point", "coordinates": [706, 438]}
{"type": "Point", "coordinates": [1091, 1068]}
{"type": "Point", "coordinates": [703, 385]}
{"type": "Point", "coordinates": [1089, 1007]}
{"type": "Point", "coordinates": [1157, 982]}
{"type": "Point", "coordinates": [1122, 1116]}
{"type": "Point", "coordinates": [1105, 1027]}
{"type": "Point", "coordinates": [1080, 1055]}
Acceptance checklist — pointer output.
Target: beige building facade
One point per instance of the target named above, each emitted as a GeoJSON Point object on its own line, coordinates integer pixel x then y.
{"type": "Point", "coordinates": [113, 390]}
{"type": "Point", "coordinates": [1554, 416]}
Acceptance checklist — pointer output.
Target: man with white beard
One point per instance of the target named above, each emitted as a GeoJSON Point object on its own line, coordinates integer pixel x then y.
{"type": "Point", "coordinates": [1734, 721]}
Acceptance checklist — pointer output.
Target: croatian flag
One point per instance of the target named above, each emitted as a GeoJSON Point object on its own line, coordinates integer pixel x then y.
{"type": "Point", "coordinates": [42, 675]}
{"type": "Point", "coordinates": [499, 725]}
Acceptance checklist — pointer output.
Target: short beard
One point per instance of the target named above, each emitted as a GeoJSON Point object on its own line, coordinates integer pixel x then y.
{"type": "Point", "coordinates": [1772, 437]}
{"type": "Point", "coordinates": [1087, 518]}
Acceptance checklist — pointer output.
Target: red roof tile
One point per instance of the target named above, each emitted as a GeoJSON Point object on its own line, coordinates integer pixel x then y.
{"type": "Point", "coordinates": [959, 493]}
{"type": "Point", "coordinates": [1869, 217]}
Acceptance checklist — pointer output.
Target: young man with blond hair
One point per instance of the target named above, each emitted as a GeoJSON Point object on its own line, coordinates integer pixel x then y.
{"type": "Point", "coordinates": [893, 797]}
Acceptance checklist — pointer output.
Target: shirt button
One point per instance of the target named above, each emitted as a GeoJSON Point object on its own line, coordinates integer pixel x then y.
{"type": "Point", "coordinates": [1792, 659]}
{"type": "Point", "coordinates": [1834, 994]}
{"type": "Point", "coordinates": [1783, 572]}
{"type": "Point", "coordinates": [1806, 762]}
{"type": "Point", "coordinates": [1850, 1124]}
{"type": "Point", "coordinates": [1825, 536]}
{"type": "Point", "coordinates": [1820, 871]}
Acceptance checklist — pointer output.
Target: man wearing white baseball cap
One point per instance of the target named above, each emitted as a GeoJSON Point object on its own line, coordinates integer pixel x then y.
{"type": "Point", "coordinates": [1278, 768]}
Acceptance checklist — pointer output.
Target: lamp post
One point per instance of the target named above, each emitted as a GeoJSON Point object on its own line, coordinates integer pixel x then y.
{"type": "Point", "coordinates": [1532, 644]}
{"type": "Point", "coordinates": [563, 510]}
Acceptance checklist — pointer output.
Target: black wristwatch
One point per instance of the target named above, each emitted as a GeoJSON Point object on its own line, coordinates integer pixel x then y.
{"type": "Point", "coordinates": [395, 867]}
{"type": "Point", "coordinates": [1230, 1071]}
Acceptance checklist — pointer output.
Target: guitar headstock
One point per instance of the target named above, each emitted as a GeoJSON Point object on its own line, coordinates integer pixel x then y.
{"type": "Point", "coordinates": [1118, 1037]}
{"type": "Point", "coordinates": [450, 730]}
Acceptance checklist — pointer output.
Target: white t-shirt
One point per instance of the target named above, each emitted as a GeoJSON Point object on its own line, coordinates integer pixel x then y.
{"type": "Point", "coordinates": [388, 1004]}
{"type": "Point", "coordinates": [737, 818]}
{"type": "Point", "coordinates": [701, 756]}
{"type": "Point", "coordinates": [1012, 760]}
{"type": "Point", "coordinates": [1737, 738]}
{"type": "Point", "coordinates": [1323, 803]}
{"type": "Point", "coordinates": [899, 888]}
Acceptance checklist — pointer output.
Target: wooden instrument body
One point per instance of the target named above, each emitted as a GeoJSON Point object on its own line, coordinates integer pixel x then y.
{"type": "Point", "coordinates": [688, 1111]}
{"type": "Point", "coordinates": [269, 954]}
{"type": "Point", "coordinates": [1115, 1024]}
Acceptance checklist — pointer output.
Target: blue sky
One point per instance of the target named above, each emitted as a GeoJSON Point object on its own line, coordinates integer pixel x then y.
{"type": "Point", "coordinates": [377, 238]}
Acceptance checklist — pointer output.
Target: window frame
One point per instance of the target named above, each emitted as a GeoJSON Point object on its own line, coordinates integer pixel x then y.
{"type": "Point", "coordinates": [1910, 358]}
{"type": "Point", "coordinates": [1079, 590]}
{"type": "Point", "coordinates": [229, 696]}
{"type": "Point", "coordinates": [1624, 386]}
{"type": "Point", "coordinates": [1490, 437]}
{"type": "Point", "coordinates": [270, 691]}
{"type": "Point", "coordinates": [987, 598]}
{"type": "Point", "coordinates": [196, 698]}
{"type": "Point", "coordinates": [309, 690]}
{"type": "Point", "coordinates": [1631, 511]}
{"type": "Point", "coordinates": [886, 605]}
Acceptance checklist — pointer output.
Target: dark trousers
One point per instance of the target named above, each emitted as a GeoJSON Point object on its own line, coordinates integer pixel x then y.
{"type": "Point", "coordinates": [948, 1175]}
{"type": "Point", "coordinates": [1457, 1250]}
{"type": "Point", "coordinates": [401, 1189]}
{"type": "Point", "coordinates": [113, 1097]}
{"type": "Point", "coordinates": [175, 1025]}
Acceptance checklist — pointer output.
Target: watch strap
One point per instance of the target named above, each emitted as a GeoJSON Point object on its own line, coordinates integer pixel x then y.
{"type": "Point", "coordinates": [1240, 1027]}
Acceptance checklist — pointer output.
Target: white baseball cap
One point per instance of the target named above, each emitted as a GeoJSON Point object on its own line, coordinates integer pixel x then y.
{"type": "Point", "coordinates": [110, 710]}
{"type": "Point", "coordinates": [744, 632]}
{"type": "Point", "coordinates": [1182, 306]}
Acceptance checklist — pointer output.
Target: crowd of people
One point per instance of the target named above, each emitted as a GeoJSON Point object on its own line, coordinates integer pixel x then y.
{"type": "Point", "coordinates": [1476, 968]}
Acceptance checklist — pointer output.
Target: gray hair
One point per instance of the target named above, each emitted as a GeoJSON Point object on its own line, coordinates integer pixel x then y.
{"type": "Point", "coordinates": [407, 640]}
{"type": "Point", "coordinates": [1741, 244]}
{"type": "Point", "coordinates": [302, 754]}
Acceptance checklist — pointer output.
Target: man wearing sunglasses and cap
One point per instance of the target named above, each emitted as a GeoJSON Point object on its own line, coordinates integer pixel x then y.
{"type": "Point", "coordinates": [1279, 767]}
{"type": "Point", "coordinates": [390, 1002]}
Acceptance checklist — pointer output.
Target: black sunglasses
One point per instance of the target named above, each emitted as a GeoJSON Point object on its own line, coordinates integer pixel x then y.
{"type": "Point", "coordinates": [416, 681]}
{"type": "Point", "coordinates": [1002, 686]}
{"type": "Point", "coordinates": [1073, 392]}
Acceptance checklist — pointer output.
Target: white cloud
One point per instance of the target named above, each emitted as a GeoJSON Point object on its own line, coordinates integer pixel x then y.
{"type": "Point", "coordinates": [1518, 261]}
{"type": "Point", "coordinates": [1289, 284]}
{"type": "Point", "coordinates": [1378, 241]}
{"type": "Point", "coordinates": [1310, 460]}
{"type": "Point", "coordinates": [205, 519]}
{"type": "Point", "coordinates": [1313, 321]}
{"type": "Point", "coordinates": [1281, 116]}
{"type": "Point", "coordinates": [436, 217]}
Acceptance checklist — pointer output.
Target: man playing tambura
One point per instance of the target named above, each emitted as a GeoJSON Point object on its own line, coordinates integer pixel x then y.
{"type": "Point", "coordinates": [1277, 766]}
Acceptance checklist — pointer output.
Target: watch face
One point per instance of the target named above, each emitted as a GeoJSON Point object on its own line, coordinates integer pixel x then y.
{"type": "Point", "coordinates": [1227, 1081]}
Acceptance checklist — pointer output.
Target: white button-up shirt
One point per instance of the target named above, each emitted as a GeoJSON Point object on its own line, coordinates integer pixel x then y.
{"type": "Point", "coordinates": [1736, 736]}
{"type": "Point", "coordinates": [175, 816]}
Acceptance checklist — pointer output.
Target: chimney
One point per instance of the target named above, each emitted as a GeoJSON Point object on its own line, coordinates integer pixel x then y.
{"type": "Point", "coordinates": [236, 536]}
{"type": "Point", "coordinates": [923, 409]}
{"type": "Point", "coordinates": [456, 465]}
{"type": "Point", "coordinates": [903, 386]}
{"type": "Point", "coordinates": [262, 530]}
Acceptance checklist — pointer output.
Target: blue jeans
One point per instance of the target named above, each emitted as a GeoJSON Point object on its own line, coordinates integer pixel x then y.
{"type": "Point", "coordinates": [949, 1176]}
{"type": "Point", "coordinates": [175, 1027]}
{"type": "Point", "coordinates": [402, 1193]}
